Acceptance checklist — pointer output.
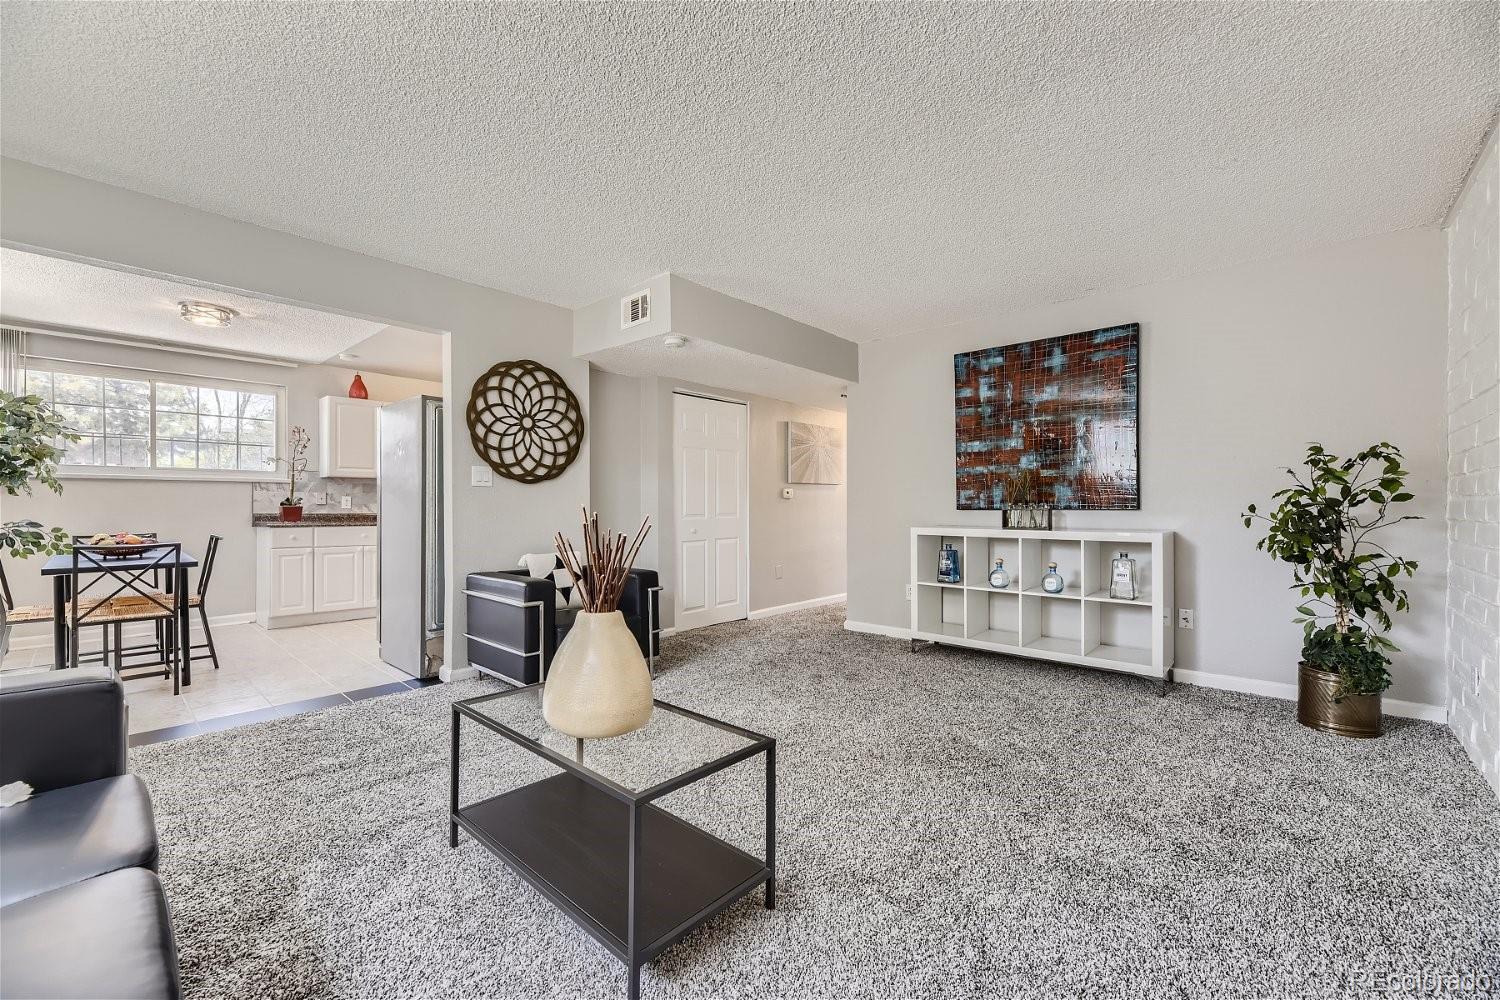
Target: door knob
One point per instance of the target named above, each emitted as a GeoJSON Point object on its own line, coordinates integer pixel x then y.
{"type": "Point", "coordinates": [692, 531]}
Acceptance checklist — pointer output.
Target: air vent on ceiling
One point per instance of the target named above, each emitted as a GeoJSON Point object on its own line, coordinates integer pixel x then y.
{"type": "Point", "coordinates": [635, 309]}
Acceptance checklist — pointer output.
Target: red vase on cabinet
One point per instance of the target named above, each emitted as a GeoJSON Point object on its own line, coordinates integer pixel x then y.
{"type": "Point", "coordinates": [357, 388]}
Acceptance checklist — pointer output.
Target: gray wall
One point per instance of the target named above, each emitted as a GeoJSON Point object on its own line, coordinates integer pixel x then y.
{"type": "Point", "coordinates": [47, 211]}
{"type": "Point", "coordinates": [186, 510]}
{"type": "Point", "coordinates": [1240, 368]}
{"type": "Point", "coordinates": [632, 476]}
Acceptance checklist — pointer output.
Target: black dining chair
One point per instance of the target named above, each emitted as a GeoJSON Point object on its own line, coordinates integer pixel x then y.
{"type": "Point", "coordinates": [133, 599]}
{"type": "Point", "coordinates": [199, 598]}
{"type": "Point", "coordinates": [119, 651]}
{"type": "Point", "coordinates": [25, 614]}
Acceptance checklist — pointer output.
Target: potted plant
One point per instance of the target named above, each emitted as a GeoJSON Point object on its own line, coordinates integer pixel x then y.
{"type": "Point", "coordinates": [1322, 525]}
{"type": "Point", "coordinates": [30, 449]}
{"type": "Point", "coordinates": [296, 466]}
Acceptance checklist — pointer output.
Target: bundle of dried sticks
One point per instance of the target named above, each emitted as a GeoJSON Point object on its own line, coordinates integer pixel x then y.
{"type": "Point", "coordinates": [600, 576]}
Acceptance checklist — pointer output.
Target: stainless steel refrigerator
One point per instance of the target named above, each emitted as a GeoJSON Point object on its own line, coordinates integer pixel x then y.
{"type": "Point", "coordinates": [412, 581]}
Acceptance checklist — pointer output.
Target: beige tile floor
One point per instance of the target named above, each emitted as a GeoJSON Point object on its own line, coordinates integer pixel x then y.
{"type": "Point", "coordinates": [258, 668]}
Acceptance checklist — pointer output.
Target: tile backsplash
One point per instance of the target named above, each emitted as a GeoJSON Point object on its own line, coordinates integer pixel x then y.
{"type": "Point", "coordinates": [265, 498]}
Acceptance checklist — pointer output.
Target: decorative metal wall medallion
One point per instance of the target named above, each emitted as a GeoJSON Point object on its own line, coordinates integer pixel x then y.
{"type": "Point", "coordinates": [524, 421]}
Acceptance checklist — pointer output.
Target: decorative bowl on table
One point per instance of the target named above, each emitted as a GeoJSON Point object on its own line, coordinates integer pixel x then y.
{"type": "Point", "coordinates": [123, 544]}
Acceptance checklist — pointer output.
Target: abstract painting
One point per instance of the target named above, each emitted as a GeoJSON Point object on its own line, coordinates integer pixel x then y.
{"type": "Point", "coordinates": [814, 453]}
{"type": "Point", "coordinates": [1052, 421]}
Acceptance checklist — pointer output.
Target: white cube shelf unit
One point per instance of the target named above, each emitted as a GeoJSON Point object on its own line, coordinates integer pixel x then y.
{"type": "Point", "coordinates": [1082, 625]}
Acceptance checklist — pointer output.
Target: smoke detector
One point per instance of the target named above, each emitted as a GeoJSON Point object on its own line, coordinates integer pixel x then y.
{"type": "Point", "coordinates": [673, 340]}
{"type": "Point", "coordinates": [635, 309]}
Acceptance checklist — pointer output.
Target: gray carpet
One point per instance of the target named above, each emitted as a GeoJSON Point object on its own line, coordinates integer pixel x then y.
{"type": "Point", "coordinates": [951, 825]}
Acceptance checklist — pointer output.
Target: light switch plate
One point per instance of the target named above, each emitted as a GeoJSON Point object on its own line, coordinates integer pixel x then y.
{"type": "Point", "coordinates": [786, 493]}
{"type": "Point", "coordinates": [481, 475]}
{"type": "Point", "coordinates": [320, 499]}
{"type": "Point", "coordinates": [346, 502]}
{"type": "Point", "coordinates": [1185, 618]}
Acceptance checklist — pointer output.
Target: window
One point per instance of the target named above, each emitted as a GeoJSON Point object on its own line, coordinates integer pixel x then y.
{"type": "Point", "coordinates": [142, 422]}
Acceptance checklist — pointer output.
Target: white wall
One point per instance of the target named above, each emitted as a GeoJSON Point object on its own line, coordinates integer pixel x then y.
{"type": "Point", "coordinates": [692, 310]}
{"type": "Point", "coordinates": [185, 510]}
{"type": "Point", "coordinates": [1474, 467]}
{"type": "Point", "coordinates": [1239, 369]}
{"type": "Point", "coordinates": [632, 476]}
{"type": "Point", "coordinates": [47, 211]}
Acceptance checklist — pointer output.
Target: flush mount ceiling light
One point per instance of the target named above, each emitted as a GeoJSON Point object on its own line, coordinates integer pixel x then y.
{"type": "Point", "coordinates": [346, 356]}
{"type": "Point", "coordinates": [206, 313]}
{"type": "Point", "coordinates": [674, 341]}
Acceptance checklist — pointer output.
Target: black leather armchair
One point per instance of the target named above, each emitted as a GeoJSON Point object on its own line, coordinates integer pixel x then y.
{"type": "Point", "coordinates": [81, 911]}
{"type": "Point", "coordinates": [510, 613]}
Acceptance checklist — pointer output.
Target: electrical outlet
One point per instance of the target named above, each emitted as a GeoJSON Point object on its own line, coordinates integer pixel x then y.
{"type": "Point", "coordinates": [320, 499]}
{"type": "Point", "coordinates": [1185, 618]}
{"type": "Point", "coordinates": [346, 502]}
{"type": "Point", "coordinates": [908, 591]}
{"type": "Point", "coordinates": [778, 571]}
{"type": "Point", "coordinates": [786, 493]}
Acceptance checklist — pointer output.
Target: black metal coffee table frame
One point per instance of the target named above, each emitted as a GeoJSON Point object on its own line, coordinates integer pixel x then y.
{"type": "Point", "coordinates": [570, 834]}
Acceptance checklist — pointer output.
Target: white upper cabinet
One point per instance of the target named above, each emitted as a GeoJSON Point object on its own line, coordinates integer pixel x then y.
{"type": "Point", "coordinates": [349, 442]}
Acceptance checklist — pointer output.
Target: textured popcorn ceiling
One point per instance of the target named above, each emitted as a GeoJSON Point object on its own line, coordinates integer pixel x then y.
{"type": "Point", "coordinates": [866, 169]}
{"type": "Point", "coordinates": [40, 292]}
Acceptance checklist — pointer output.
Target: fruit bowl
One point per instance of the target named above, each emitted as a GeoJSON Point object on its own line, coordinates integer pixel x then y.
{"type": "Point", "coordinates": [123, 544]}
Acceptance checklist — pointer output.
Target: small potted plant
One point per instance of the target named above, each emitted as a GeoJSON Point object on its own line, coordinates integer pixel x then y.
{"type": "Point", "coordinates": [31, 435]}
{"type": "Point", "coordinates": [296, 467]}
{"type": "Point", "coordinates": [1322, 525]}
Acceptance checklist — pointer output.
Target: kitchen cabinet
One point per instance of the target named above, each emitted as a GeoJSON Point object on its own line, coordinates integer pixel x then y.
{"type": "Point", "coordinates": [320, 574]}
{"type": "Point", "coordinates": [348, 437]}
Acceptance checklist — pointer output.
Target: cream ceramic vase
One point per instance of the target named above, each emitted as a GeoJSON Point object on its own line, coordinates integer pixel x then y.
{"type": "Point", "coordinates": [598, 685]}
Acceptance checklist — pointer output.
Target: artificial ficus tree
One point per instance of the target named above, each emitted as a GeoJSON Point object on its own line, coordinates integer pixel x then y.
{"type": "Point", "coordinates": [1322, 525]}
{"type": "Point", "coordinates": [32, 436]}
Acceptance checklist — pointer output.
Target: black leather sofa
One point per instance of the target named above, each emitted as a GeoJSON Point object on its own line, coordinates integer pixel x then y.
{"type": "Point", "coordinates": [510, 612]}
{"type": "Point", "coordinates": [82, 914]}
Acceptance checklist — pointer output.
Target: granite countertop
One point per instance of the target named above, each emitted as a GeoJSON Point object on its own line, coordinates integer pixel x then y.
{"type": "Point", "coordinates": [314, 519]}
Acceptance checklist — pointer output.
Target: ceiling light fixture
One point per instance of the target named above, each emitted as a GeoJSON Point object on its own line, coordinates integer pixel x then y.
{"type": "Point", "coordinates": [206, 313]}
{"type": "Point", "coordinates": [672, 340]}
{"type": "Point", "coordinates": [346, 356]}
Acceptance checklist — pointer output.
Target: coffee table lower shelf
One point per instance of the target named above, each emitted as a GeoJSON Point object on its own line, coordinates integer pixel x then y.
{"type": "Point", "coordinates": [571, 841]}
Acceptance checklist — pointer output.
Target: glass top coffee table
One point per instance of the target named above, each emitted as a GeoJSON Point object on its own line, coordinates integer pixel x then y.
{"type": "Point", "coordinates": [631, 874]}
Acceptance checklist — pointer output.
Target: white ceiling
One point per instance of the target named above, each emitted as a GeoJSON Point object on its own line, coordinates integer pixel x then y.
{"type": "Point", "coordinates": [396, 350]}
{"type": "Point", "coordinates": [868, 169]}
{"type": "Point", "coordinates": [712, 364]}
{"type": "Point", "coordinates": [53, 292]}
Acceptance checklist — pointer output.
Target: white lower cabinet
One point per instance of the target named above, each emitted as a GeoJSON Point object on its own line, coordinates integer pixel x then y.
{"type": "Point", "coordinates": [336, 583]}
{"type": "Point", "coordinates": [310, 575]}
{"type": "Point", "coordinates": [292, 582]}
{"type": "Point", "coordinates": [369, 577]}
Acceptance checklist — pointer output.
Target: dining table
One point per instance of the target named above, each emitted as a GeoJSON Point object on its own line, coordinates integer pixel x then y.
{"type": "Point", "coordinates": [60, 568]}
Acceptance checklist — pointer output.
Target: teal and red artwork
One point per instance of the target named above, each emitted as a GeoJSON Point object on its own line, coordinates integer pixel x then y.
{"type": "Point", "coordinates": [1052, 422]}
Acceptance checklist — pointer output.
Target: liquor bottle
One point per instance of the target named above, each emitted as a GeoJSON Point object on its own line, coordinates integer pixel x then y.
{"type": "Point", "coordinates": [1122, 578]}
{"type": "Point", "coordinates": [949, 570]}
{"type": "Point", "coordinates": [999, 579]}
{"type": "Point", "coordinates": [1052, 581]}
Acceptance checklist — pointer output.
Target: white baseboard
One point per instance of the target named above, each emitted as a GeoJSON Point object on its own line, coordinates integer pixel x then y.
{"type": "Point", "coordinates": [666, 632]}
{"type": "Point", "coordinates": [1222, 682]}
{"type": "Point", "coordinates": [781, 609]}
{"type": "Point", "coordinates": [44, 640]}
{"type": "Point", "coordinates": [868, 628]}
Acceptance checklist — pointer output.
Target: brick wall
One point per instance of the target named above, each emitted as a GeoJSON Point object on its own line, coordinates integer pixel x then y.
{"type": "Point", "coordinates": [1473, 656]}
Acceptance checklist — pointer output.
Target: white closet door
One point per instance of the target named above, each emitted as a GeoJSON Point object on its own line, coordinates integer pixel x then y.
{"type": "Point", "coordinates": [713, 510]}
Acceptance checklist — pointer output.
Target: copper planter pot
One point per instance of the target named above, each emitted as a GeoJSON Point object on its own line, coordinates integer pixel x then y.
{"type": "Point", "coordinates": [1357, 716]}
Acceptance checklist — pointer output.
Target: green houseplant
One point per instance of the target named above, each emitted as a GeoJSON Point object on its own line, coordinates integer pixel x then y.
{"type": "Point", "coordinates": [1322, 524]}
{"type": "Point", "coordinates": [29, 451]}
